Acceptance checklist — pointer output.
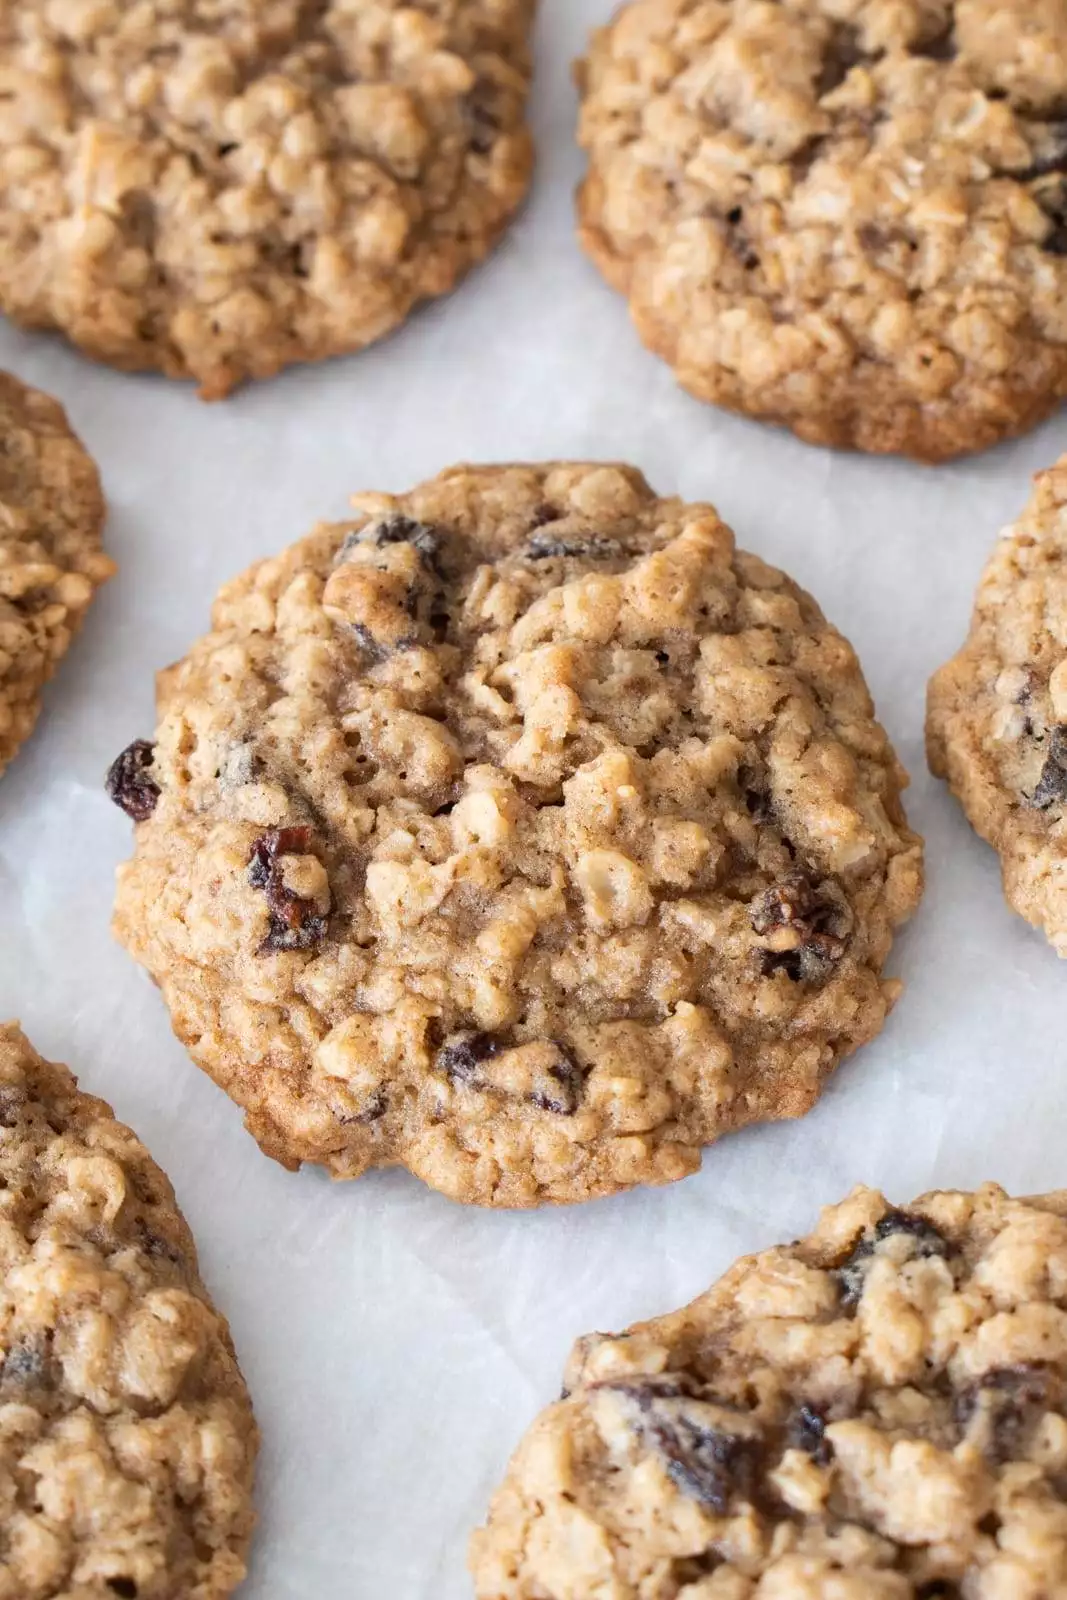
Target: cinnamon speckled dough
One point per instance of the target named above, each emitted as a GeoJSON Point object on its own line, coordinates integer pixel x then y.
{"type": "Point", "coordinates": [997, 712]}
{"type": "Point", "coordinates": [876, 1412]}
{"type": "Point", "coordinates": [218, 188]}
{"type": "Point", "coordinates": [522, 831]}
{"type": "Point", "coordinates": [51, 563]}
{"type": "Point", "coordinates": [847, 216]}
{"type": "Point", "coordinates": [126, 1436]}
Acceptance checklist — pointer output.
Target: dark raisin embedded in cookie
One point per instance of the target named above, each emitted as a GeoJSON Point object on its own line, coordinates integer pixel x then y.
{"type": "Point", "coordinates": [130, 783]}
{"type": "Point", "coordinates": [807, 1432]}
{"type": "Point", "coordinates": [295, 921]}
{"type": "Point", "coordinates": [938, 43]}
{"type": "Point", "coordinates": [1049, 158]}
{"type": "Point", "coordinates": [710, 1450]}
{"type": "Point", "coordinates": [925, 1239]}
{"type": "Point", "coordinates": [841, 52]}
{"type": "Point", "coordinates": [1004, 1406]}
{"type": "Point", "coordinates": [1051, 787]}
{"type": "Point", "coordinates": [542, 547]}
{"type": "Point", "coordinates": [405, 530]}
{"type": "Point", "coordinates": [486, 108]}
{"type": "Point", "coordinates": [561, 1085]}
{"type": "Point", "coordinates": [542, 1072]}
{"type": "Point", "coordinates": [462, 1055]}
{"type": "Point", "coordinates": [805, 924]}
{"type": "Point", "coordinates": [1051, 196]}
{"type": "Point", "coordinates": [738, 241]}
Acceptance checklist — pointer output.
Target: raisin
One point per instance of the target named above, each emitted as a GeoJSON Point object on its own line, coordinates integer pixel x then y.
{"type": "Point", "coordinates": [1052, 784]}
{"type": "Point", "coordinates": [937, 46]}
{"type": "Point", "coordinates": [812, 911]}
{"type": "Point", "coordinates": [705, 1460]}
{"type": "Point", "coordinates": [852, 1272]}
{"type": "Point", "coordinates": [785, 904]}
{"type": "Point", "coordinates": [841, 54]}
{"type": "Point", "coordinates": [294, 923]}
{"type": "Point", "coordinates": [1051, 195]}
{"type": "Point", "coordinates": [484, 116]}
{"type": "Point", "coordinates": [875, 238]}
{"type": "Point", "coordinates": [466, 1058]}
{"type": "Point", "coordinates": [155, 1245]}
{"type": "Point", "coordinates": [738, 241]}
{"type": "Point", "coordinates": [1053, 159]}
{"type": "Point", "coordinates": [461, 1056]}
{"type": "Point", "coordinates": [375, 1108]}
{"type": "Point", "coordinates": [375, 651]}
{"type": "Point", "coordinates": [571, 1079]}
{"type": "Point", "coordinates": [129, 782]}
{"type": "Point", "coordinates": [125, 1588]}
{"type": "Point", "coordinates": [1024, 694]}
{"type": "Point", "coordinates": [1012, 1398]}
{"type": "Point", "coordinates": [755, 791]}
{"type": "Point", "coordinates": [543, 548]}
{"type": "Point", "coordinates": [807, 1432]}
{"type": "Point", "coordinates": [405, 530]}
{"type": "Point", "coordinates": [802, 160]}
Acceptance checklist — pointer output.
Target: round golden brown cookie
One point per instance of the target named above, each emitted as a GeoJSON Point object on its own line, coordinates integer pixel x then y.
{"type": "Point", "coordinates": [878, 1412]}
{"type": "Point", "coordinates": [997, 712]}
{"type": "Point", "coordinates": [51, 563]}
{"type": "Point", "coordinates": [522, 831]}
{"type": "Point", "coordinates": [219, 188]}
{"type": "Point", "coordinates": [126, 1436]}
{"type": "Point", "coordinates": [847, 216]}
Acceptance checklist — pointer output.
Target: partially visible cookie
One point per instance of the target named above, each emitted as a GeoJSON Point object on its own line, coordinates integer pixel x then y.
{"type": "Point", "coordinates": [51, 563]}
{"type": "Point", "coordinates": [523, 831]}
{"type": "Point", "coordinates": [875, 1412]}
{"type": "Point", "coordinates": [218, 188]}
{"type": "Point", "coordinates": [847, 218]}
{"type": "Point", "coordinates": [996, 724]}
{"type": "Point", "coordinates": [127, 1441]}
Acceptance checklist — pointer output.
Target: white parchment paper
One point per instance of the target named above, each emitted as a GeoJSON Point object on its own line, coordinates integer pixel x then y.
{"type": "Point", "coordinates": [397, 1344]}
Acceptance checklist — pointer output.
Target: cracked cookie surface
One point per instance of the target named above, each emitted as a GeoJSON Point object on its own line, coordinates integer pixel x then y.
{"type": "Point", "coordinates": [219, 188]}
{"type": "Point", "coordinates": [521, 830]}
{"type": "Point", "coordinates": [126, 1437]}
{"type": "Point", "coordinates": [996, 722]}
{"type": "Point", "coordinates": [876, 1412]}
{"type": "Point", "coordinates": [51, 563]}
{"type": "Point", "coordinates": [847, 216]}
